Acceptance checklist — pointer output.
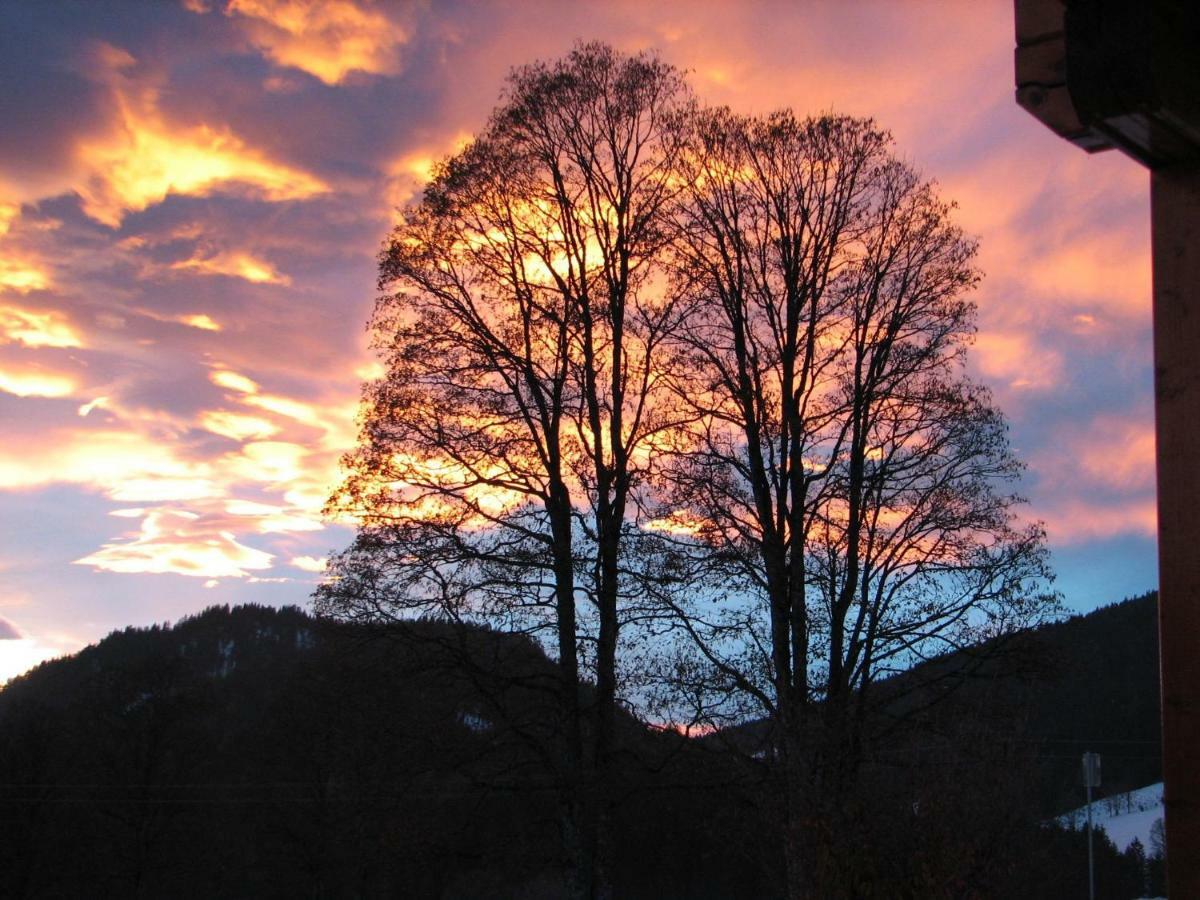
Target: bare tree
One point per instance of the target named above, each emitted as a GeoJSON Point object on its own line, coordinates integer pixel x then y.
{"type": "Point", "coordinates": [840, 508]}
{"type": "Point", "coordinates": [521, 318]}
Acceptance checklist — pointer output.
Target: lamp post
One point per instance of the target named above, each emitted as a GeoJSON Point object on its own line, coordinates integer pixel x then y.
{"type": "Point", "coordinates": [1125, 74]}
{"type": "Point", "coordinates": [1091, 779]}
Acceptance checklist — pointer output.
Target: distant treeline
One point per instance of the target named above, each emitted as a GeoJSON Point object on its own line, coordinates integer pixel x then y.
{"type": "Point", "coordinates": [257, 752]}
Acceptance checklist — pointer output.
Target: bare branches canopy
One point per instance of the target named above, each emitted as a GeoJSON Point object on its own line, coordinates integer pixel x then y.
{"type": "Point", "coordinates": [683, 379]}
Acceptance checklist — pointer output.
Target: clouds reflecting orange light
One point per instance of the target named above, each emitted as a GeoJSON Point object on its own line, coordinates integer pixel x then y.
{"type": "Point", "coordinates": [120, 463]}
{"type": "Point", "coordinates": [1076, 522]}
{"type": "Point", "coordinates": [143, 158]}
{"type": "Point", "coordinates": [191, 202]}
{"type": "Point", "coordinates": [326, 38]}
{"type": "Point", "coordinates": [183, 543]}
{"type": "Point", "coordinates": [236, 426]}
{"type": "Point", "coordinates": [38, 328]}
{"type": "Point", "coordinates": [8, 212]}
{"type": "Point", "coordinates": [22, 276]}
{"type": "Point", "coordinates": [17, 655]}
{"type": "Point", "coordinates": [1012, 358]}
{"type": "Point", "coordinates": [309, 563]}
{"type": "Point", "coordinates": [35, 382]}
{"type": "Point", "coordinates": [235, 264]}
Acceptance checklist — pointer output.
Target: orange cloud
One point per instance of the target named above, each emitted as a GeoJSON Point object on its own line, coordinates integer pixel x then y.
{"type": "Point", "coordinates": [1105, 269]}
{"type": "Point", "coordinates": [412, 171]}
{"type": "Point", "coordinates": [202, 321]}
{"type": "Point", "coordinates": [326, 38]}
{"type": "Point", "coordinates": [1013, 358]}
{"type": "Point", "coordinates": [271, 519]}
{"type": "Point", "coordinates": [272, 462]}
{"type": "Point", "coordinates": [156, 489]}
{"type": "Point", "coordinates": [177, 541]}
{"type": "Point", "coordinates": [8, 213]}
{"type": "Point", "coordinates": [37, 328]}
{"type": "Point", "coordinates": [309, 563]}
{"type": "Point", "coordinates": [233, 381]}
{"type": "Point", "coordinates": [36, 381]}
{"type": "Point", "coordinates": [1088, 253]}
{"type": "Point", "coordinates": [236, 426]}
{"type": "Point", "coordinates": [1076, 521]}
{"type": "Point", "coordinates": [336, 422]}
{"type": "Point", "coordinates": [144, 158]}
{"type": "Point", "coordinates": [678, 523]}
{"type": "Point", "coordinates": [22, 276]}
{"type": "Point", "coordinates": [284, 406]}
{"type": "Point", "coordinates": [122, 463]}
{"type": "Point", "coordinates": [129, 461]}
{"type": "Point", "coordinates": [236, 264]}
{"type": "Point", "coordinates": [1118, 453]}
{"type": "Point", "coordinates": [1098, 478]}
{"type": "Point", "coordinates": [97, 403]}
{"type": "Point", "coordinates": [22, 654]}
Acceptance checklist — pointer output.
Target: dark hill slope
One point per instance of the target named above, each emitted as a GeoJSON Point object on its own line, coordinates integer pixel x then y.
{"type": "Point", "coordinates": [1037, 701]}
{"type": "Point", "coordinates": [1088, 683]}
{"type": "Point", "coordinates": [1101, 694]}
{"type": "Point", "coordinates": [257, 752]}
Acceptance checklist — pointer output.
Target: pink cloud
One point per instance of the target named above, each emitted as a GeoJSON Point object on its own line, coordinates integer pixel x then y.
{"type": "Point", "coordinates": [178, 227]}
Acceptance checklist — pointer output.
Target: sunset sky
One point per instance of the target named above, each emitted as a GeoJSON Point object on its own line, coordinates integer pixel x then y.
{"type": "Point", "coordinates": [193, 193]}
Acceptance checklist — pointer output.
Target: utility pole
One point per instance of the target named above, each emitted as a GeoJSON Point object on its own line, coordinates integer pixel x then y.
{"type": "Point", "coordinates": [1091, 779]}
{"type": "Point", "coordinates": [1126, 74]}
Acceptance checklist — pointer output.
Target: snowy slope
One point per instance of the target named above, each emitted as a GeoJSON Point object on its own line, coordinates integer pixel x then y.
{"type": "Point", "coordinates": [1123, 816]}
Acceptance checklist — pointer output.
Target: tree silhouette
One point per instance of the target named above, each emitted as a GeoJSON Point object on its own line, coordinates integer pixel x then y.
{"type": "Point", "coordinates": [702, 373]}
{"type": "Point", "coordinates": [840, 497]}
{"type": "Point", "coordinates": [520, 327]}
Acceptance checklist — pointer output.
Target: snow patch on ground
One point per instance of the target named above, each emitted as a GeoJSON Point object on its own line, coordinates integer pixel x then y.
{"type": "Point", "coordinates": [1123, 816]}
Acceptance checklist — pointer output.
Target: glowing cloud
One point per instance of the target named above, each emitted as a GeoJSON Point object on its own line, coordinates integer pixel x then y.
{"type": "Point", "coordinates": [412, 171]}
{"type": "Point", "coordinates": [145, 158]}
{"type": "Point", "coordinates": [235, 426]}
{"type": "Point", "coordinates": [201, 321]}
{"type": "Point", "coordinates": [270, 519]}
{"type": "Point", "coordinates": [326, 38]}
{"type": "Point", "coordinates": [36, 383]}
{"type": "Point", "coordinates": [37, 329]}
{"type": "Point", "coordinates": [678, 523]}
{"type": "Point", "coordinates": [233, 381]}
{"type": "Point", "coordinates": [117, 462]}
{"type": "Point", "coordinates": [268, 462]}
{"type": "Point", "coordinates": [283, 406]}
{"type": "Point", "coordinates": [22, 276]}
{"type": "Point", "coordinates": [177, 541]}
{"type": "Point", "coordinates": [235, 264]}
{"type": "Point", "coordinates": [1013, 358]}
{"type": "Point", "coordinates": [1075, 522]}
{"type": "Point", "coordinates": [309, 563]}
{"type": "Point", "coordinates": [86, 408]}
{"type": "Point", "coordinates": [157, 489]}
{"type": "Point", "coordinates": [1118, 453]}
{"type": "Point", "coordinates": [20, 654]}
{"type": "Point", "coordinates": [8, 212]}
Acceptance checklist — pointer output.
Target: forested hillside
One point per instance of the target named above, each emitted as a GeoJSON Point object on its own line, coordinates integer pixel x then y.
{"type": "Point", "coordinates": [261, 752]}
{"type": "Point", "coordinates": [1100, 694]}
{"type": "Point", "coordinates": [257, 752]}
